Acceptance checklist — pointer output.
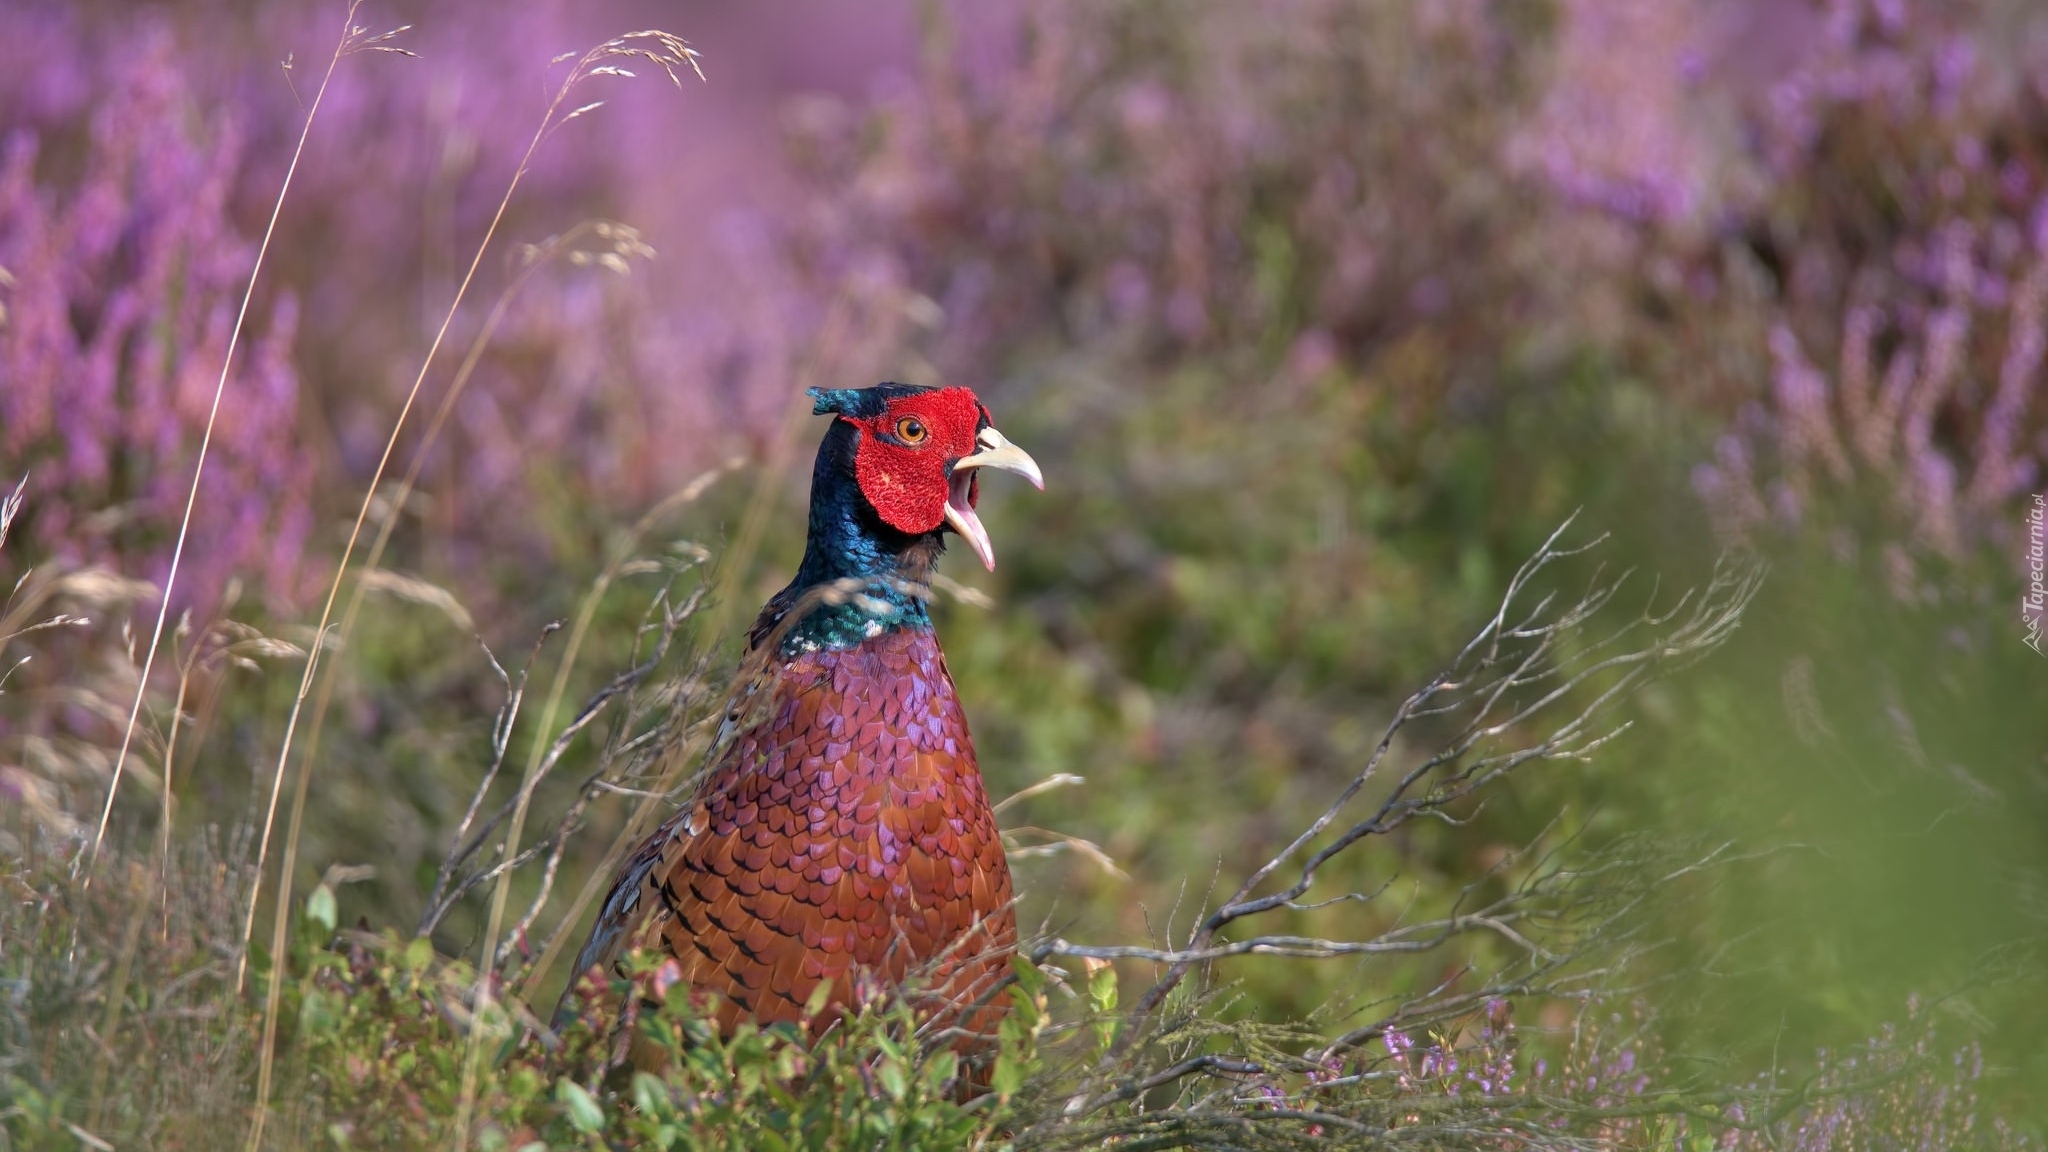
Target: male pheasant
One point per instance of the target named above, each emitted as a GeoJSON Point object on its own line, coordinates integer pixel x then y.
{"type": "Point", "coordinates": [841, 832]}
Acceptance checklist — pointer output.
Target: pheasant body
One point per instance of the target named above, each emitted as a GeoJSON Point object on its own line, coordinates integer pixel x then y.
{"type": "Point", "coordinates": [841, 832]}
{"type": "Point", "coordinates": [847, 834]}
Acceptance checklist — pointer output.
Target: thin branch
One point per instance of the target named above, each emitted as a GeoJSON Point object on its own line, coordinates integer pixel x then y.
{"type": "Point", "coordinates": [1529, 670]}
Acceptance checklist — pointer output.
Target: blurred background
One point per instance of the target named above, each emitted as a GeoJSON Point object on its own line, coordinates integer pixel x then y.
{"type": "Point", "coordinates": [1320, 315]}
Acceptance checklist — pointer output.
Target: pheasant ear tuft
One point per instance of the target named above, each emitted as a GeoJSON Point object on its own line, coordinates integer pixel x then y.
{"type": "Point", "coordinates": [843, 401]}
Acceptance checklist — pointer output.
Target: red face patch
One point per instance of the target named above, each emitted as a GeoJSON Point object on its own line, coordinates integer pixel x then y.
{"type": "Point", "coordinates": [907, 452]}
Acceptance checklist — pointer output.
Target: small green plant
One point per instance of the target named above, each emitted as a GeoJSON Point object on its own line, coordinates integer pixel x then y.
{"type": "Point", "coordinates": [383, 1024]}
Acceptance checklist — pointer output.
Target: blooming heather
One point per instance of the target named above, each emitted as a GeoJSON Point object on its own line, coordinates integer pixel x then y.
{"type": "Point", "coordinates": [1901, 1090]}
{"type": "Point", "coordinates": [1240, 178]}
{"type": "Point", "coordinates": [1902, 365]}
{"type": "Point", "coordinates": [123, 273]}
{"type": "Point", "coordinates": [140, 159]}
{"type": "Point", "coordinates": [1898, 1091]}
{"type": "Point", "coordinates": [1619, 128]}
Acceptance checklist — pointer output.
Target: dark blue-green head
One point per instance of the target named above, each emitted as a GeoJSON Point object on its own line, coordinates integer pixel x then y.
{"type": "Point", "coordinates": [899, 468]}
{"type": "Point", "coordinates": [915, 457]}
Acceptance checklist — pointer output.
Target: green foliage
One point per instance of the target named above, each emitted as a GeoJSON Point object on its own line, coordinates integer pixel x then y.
{"type": "Point", "coordinates": [378, 1033]}
{"type": "Point", "coordinates": [114, 1012]}
{"type": "Point", "coordinates": [380, 1029]}
{"type": "Point", "coordinates": [384, 1042]}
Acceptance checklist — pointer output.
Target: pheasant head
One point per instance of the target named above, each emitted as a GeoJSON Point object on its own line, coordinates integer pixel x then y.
{"type": "Point", "coordinates": [916, 457]}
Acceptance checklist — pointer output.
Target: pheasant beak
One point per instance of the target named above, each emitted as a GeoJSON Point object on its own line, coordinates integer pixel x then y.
{"type": "Point", "coordinates": [996, 452]}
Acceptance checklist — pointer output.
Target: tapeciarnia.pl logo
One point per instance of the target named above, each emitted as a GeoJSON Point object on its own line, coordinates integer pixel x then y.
{"type": "Point", "coordinates": [2034, 603]}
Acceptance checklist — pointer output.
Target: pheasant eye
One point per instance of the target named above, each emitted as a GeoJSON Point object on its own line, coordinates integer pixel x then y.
{"type": "Point", "coordinates": [911, 430]}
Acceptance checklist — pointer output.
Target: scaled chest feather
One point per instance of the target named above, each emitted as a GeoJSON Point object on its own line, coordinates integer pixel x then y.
{"type": "Point", "coordinates": [843, 832]}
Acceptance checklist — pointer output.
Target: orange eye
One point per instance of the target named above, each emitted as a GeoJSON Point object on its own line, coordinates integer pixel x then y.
{"type": "Point", "coordinates": [911, 430]}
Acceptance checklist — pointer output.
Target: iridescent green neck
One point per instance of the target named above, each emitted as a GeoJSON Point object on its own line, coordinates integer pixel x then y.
{"type": "Point", "coordinates": [859, 578]}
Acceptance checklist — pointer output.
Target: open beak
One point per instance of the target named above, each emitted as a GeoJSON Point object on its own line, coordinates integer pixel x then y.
{"type": "Point", "coordinates": [996, 452]}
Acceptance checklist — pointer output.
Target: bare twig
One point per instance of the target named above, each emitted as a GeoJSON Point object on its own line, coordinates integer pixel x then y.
{"type": "Point", "coordinates": [466, 844]}
{"type": "Point", "coordinates": [1539, 681]}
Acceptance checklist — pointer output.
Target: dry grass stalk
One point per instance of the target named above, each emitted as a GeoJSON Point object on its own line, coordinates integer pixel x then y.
{"type": "Point", "coordinates": [616, 242]}
{"type": "Point", "coordinates": [353, 38]}
{"type": "Point", "coordinates": [671, 54]}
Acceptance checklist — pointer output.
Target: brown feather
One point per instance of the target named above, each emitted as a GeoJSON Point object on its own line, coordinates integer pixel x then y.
{"type": "Point", "coordinates": [841, 829]}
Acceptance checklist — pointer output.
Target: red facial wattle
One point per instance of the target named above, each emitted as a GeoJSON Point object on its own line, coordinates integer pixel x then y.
{"type": "Point", "coordinates": [918, 461]}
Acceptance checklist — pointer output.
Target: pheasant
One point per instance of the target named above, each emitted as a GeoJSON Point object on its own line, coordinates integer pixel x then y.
{"type": "Point", "coordinates": [841, 832]}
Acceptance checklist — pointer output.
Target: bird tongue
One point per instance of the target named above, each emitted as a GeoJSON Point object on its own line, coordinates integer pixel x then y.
{"type": "Point", "coordinates": [960, 514]}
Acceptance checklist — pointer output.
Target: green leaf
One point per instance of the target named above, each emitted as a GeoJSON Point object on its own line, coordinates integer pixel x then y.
{"type": "Point", "coordinates": [1029, 978]}
{"type": "Point", "coordinates": [584, 1113]}
{"type": "Point", "coordinates": [940, 1069]}
{"type": "Point", "coordinates": [1008, 1076]}
{"type": "Point", "coordinates": [890, 1073]}
{"type": "Point", "coordinates": [317, 1014]}
{"type": "Point", "coordinates": [320, 909]}
{"type": "Point", "coordinates": [1027, 1011]}
{"type": "Point", "coordinates": [816, 1003]}
{"type": "Point", "coordinates": [419, 954]}
{"type": "Point", "coordinates": [650, 1095]}
{"type": "Point", "coordinates": [1102, 988]}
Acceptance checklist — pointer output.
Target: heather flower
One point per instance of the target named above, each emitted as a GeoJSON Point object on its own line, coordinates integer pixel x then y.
{"type": "Point", "coordinates": [1902, 366]}
{"type": "Point", "coordinates": [1896, 1092]}
{"type": "Point", "coordinates": [1477, 1058]}
{"type": "Point", "coordinates": [615, 387]}
{"type": "Point", "coordinates": [1102, 186]}
{"type": "Point", "coordinates": [120, 289]}
{"type": "Point", "coordinates": [1898, 362]}
{"type": "Point", "coordinates": [1616, 129]}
